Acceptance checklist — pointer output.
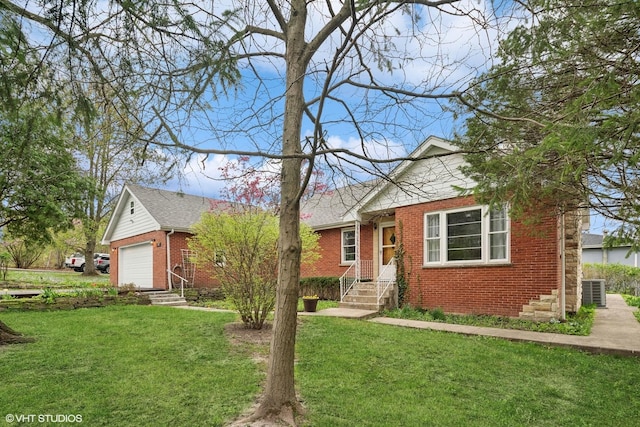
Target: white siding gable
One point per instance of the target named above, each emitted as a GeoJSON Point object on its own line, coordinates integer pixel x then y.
{"type": "Point", "coordinates": [131, 224]}
{"type": "Point", "coordinates": [423, 181]}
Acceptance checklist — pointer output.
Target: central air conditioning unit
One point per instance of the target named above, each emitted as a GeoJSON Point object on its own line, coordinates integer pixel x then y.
{"type": "Point", "coordinates": [593, 292]}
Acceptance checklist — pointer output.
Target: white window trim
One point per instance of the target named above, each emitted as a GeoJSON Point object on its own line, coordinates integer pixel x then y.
{"type": "Point", "coordinates": [220, 259]}
{"type": "Point", "coordinates": [343, 260]}
{"type": "Point", "coordinates": [486, 248]}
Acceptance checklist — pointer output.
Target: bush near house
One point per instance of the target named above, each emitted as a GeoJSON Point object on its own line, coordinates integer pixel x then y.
{"type": "Point", "coordinates": [618, 278]}
{"type": "Point", "coordinates": [327, 288]}
{"type": "Point", "coordinates": [199, 296]}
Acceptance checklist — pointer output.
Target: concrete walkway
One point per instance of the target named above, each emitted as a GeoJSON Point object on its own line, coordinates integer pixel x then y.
{"type": "Point", "coordinates": [347, 313]}
{"type": "Point", "coordinates": [615, 331]}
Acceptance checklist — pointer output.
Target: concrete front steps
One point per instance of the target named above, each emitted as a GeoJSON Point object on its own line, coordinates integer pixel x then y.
{"type": "Point", "coordinates": [543, 309]}
{"type": "Point", "coordinates": [362, 296]}
{"type": "Point", "coordinates": [165, 298]}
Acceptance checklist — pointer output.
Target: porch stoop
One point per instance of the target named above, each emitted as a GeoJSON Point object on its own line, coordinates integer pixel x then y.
{"type": "Point", "coordinates": [362, 296]}
{"type": "Point", "coordinates": [543, 309]}
{"type": "Point", "coordinates": [166, 298]}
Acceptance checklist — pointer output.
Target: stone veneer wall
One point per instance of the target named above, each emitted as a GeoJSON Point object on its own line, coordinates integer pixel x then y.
{"type": "Point", "coordinates": [548, 307]}
{"type": "Point", "coordinates": [573, 257]}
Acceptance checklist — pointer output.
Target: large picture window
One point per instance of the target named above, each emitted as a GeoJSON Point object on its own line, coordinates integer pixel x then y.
{"type": "Point", "coordinates": [475, 235]}
{"type": "Point", "coordinates": [348, 245]}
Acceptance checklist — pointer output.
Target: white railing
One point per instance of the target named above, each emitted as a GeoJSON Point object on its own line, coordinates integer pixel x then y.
{"type": "Point", "coordinates": [182, 282]}
{"type": "Point", "coordinates": [386, 278]}
{"type": "Point", "coordinates": [358, 271]}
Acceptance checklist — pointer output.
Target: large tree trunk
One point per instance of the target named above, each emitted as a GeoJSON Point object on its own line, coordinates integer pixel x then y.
{"type": "Point", "coordinates": [90, 248]}
{"type": "Point", "coordinates": [280, 396]}
{"type": "Point", "coordinates": [9, 336]}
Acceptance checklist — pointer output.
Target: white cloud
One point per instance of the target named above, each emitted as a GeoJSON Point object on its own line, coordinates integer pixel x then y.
{"type": "Point", "coordinates": [201, 176]}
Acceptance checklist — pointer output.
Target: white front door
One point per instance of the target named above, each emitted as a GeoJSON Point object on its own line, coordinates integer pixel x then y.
{"type": "Point", "coordinates": [387, 251]}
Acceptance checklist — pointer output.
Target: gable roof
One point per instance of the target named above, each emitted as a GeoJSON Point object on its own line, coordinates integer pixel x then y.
{"type": "Point", "coordinates": [432, 146]}
{"type": "Point", "coordinates": [343, 205]}
{"type": "Point", "coordinates": [590, 240]}
{"type": "Point", "coordinates": [328, 209]}
{"type": "Point", "coordinates": [169, 210]}
{"type": "Point", "coordinates": [596, 241]}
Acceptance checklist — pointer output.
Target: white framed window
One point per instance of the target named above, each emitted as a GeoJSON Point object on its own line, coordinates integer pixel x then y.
{"type": "Point", "coordinates": [432, 244]}
{"type": "Point", "coordinates": [473, 235]}
{"type": "Point", "coordinates": [220, 258]}
{"type": "Point", "coordinates": [348, 245]}
{"type": "Point", "coordinates": [132, 207]}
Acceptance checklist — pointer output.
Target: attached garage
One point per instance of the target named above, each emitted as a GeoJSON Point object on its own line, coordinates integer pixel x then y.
{"type": "Point", "coordinates": [136, 265]}
{"type": "Point", "coordinates": [147, 232]}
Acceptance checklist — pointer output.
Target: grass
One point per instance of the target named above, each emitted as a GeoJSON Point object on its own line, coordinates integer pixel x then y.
{"type": "Point", "coordinates": [133, 365]}
{"type": "Point", "coordinates": [127, 366]}
{"type": "Point", "coordinates": [633, 301]}
{"type": "Point", "coordinates": [227, 305]}
{"type": "Point", "coordinates": [359, 373]}
{"type": "Point", "coordinates": [38, 279]}
{"type": "Point", "coordinates": [579, 323]}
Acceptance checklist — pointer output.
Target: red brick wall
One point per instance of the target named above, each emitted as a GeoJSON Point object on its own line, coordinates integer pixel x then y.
{"type": "Point", "coordinates": [331, 252]}
{"type": "Point", "coordinates": [158, 282]}
{"type": "Point", "coordinates": [202, 277]}
{"type": "Point", "coordinates": [501, 289]}
{"type": "Point", "coordinates": [160, 278]}
{"type": "Point", "coordinates": [534, 267]}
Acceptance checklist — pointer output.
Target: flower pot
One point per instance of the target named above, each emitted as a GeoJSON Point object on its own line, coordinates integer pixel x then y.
{"type": "Point", "coordinates": [310, 304]}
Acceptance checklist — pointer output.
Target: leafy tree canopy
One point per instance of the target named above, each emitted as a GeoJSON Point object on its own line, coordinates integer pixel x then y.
{"type": "Point", "coordinates": [38, 179]}
{"type": "Point", "coordinates": [556, 121]}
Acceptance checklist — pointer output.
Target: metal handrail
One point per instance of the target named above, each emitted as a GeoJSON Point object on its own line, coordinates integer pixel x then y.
{"type": "Point", "coordinates": [355, 272]}
{"type": "Point", "coordinates": [182, 282]}
{"type": "Point", "coordinates": [344, 289]}
{"type": "Point", "coordinates": [382, 280]}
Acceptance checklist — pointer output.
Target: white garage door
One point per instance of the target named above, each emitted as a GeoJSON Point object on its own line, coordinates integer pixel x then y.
{"type": "Point", "coordinates": [136, 265]}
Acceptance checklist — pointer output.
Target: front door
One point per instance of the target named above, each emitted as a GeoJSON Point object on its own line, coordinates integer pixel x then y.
{"type": "Point", "coordinates": [387, 251]}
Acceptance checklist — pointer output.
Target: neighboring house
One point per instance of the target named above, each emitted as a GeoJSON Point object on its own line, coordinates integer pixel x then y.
{"type": "Point", "coordinates": [147, 234]}
{"type": "Point", "coordinates": [459, 256]}
{"type": "Point", "coordinates": [594, 252]}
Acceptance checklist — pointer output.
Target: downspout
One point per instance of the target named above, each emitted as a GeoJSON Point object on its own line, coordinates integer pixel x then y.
{"type": "Point", "coordinates": [357, 254]}
{"type": "Point", "coordinates": [168, 246]}
{"type": "Point", "coordinates": [563, 307]}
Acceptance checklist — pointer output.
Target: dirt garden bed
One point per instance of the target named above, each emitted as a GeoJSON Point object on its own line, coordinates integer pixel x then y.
{"type": "Point", "coordinates": [72, 302]}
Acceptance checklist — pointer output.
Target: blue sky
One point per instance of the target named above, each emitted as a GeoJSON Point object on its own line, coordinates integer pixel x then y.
{"type": "Point", "coordinates": [443, 52]}
{"type": "Point", "coordinates": [463, 50]}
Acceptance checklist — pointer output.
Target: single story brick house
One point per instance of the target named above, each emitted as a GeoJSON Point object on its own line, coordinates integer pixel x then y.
{"type": "Point", "coordinates": [459, 256]}
{"type": "Point", "coordinates": [147, 234]}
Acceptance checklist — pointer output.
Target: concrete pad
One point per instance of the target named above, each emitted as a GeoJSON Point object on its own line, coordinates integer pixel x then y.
{"type": "Point", "coordinates": [347, 313]}
{"type": "Point", "coordinates": [615, 331]}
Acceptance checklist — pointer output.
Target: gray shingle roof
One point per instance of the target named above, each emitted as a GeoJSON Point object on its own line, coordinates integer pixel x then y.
{"type": "Point", "coordinates": [329, 208]}
{"type": "Point", "coordinates": [592, 240]}
{"type": "Point", "coordinates": [173, 209]}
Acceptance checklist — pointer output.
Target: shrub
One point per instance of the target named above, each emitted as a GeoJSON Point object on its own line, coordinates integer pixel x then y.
{"type": "Point", "coordinates": [633, 301]}
{"type": "Point", "coordinates": [618, 278]}
{"type": "Point", "coordinates": [327, 288]}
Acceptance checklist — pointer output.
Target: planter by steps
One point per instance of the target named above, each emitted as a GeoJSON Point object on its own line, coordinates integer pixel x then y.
{"type": "Point", "coordinates": [310, 304]}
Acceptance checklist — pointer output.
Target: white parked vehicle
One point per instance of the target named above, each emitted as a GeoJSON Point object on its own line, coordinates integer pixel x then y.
{"type": "Point", "coordinates": [77, 262]}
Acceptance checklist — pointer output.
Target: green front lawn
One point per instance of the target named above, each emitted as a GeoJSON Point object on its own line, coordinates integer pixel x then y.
{"type": "Point", "coordinates": [127, 366]}
{"type": "Point", "coordinates": [39, 279]}
{"type": "Point", "coordinates": [133, 365]}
